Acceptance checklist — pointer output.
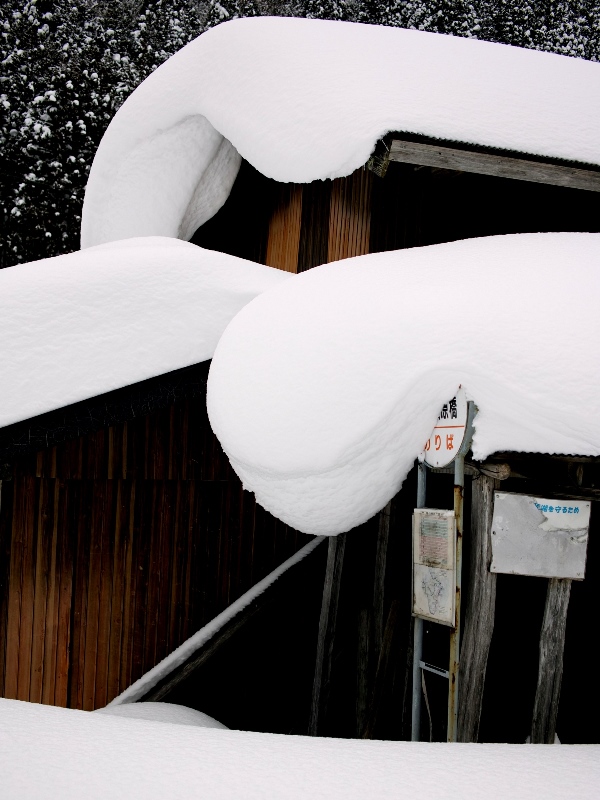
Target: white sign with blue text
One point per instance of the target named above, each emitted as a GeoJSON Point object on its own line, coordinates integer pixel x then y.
{"type": "Point", "coordinates": [536, 536]}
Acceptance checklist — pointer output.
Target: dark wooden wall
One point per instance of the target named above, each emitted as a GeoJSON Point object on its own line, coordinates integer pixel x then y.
{"type": "Point", "coordinates": [115, 547]}
{"type": "Point", "coordinates": [298, 226]}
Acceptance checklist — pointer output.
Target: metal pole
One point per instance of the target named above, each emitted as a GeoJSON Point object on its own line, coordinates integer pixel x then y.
{"type": "Point", "coordinates": [459, 483]}
{"type": "Point", "coordinates": [418, 628]}
{"type": "Point", "coordinates": [459, 486]}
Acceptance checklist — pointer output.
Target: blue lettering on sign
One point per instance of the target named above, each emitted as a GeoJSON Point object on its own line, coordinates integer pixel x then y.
{"type": "Point", "coordinates": [557, 509]}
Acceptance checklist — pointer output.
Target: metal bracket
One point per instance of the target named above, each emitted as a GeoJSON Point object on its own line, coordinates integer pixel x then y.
{"type": "Point", "coordinates": [443, 673]}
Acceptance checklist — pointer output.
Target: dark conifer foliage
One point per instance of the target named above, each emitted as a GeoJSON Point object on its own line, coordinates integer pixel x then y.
{"type": "Point", "coordinates": [68, 65]}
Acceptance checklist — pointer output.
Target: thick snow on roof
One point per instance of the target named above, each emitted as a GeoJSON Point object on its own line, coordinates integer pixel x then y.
{"type": "Point", "coordinates": [324, 390]}
{"type": "Point", "coordinates": [55, 752]}
{"type": "Point", "coordinates": [79, 325]}
{"type": "Point", "coordinates": [305, 99]}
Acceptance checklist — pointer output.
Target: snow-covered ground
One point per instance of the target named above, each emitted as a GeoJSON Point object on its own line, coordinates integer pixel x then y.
{"type": "Point", "coordinates": [324, 390]}
{"type": "Point", "coordinates": [304, 99]}
{"type": "Point", "coordinates": [79, 325]}
{"type": "Point", "coordinates": [49, 752]}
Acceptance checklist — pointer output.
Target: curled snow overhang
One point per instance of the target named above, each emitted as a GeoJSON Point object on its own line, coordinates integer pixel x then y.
{"type": "Point", "coordinates": [79, 325]}
{"type": "Point", "coordinates": [324, 422]}
{"type": "Point", "coordinates": [307, 99]}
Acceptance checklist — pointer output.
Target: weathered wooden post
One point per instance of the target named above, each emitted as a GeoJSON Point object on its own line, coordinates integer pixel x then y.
{"type": "Point", "coordinates": [370, 629]}
{"type": "Point", "coordinates": [327, 623]}
{"type": "Point", "coordinates": [480, 611]}
{"type": "Point", "coordinates": [552, 645]}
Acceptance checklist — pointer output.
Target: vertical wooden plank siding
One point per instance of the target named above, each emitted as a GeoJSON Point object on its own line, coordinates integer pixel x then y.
{"type": "Point", "coordinates": [117, 547]}
{"type": "Point", "coordinates": [284, 229]}
{"type": "Point", "coordinates": [350, 216]}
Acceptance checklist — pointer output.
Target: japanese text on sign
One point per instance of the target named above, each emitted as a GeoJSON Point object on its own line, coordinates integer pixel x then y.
{"type": "Point", "coordinates": [448, 434]}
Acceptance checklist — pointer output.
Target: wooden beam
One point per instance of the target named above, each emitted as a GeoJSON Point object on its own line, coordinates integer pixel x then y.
{"type": "Point", "coordinates": [500, 166]}
{"type": "Point", "coordinates": [552, 645]}
{"type": "Point", "coordinates": [327, 625]}
{"type": "Point", "coordinates": [480, 611]}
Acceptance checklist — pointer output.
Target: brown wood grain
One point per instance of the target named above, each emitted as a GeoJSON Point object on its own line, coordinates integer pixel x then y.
{"type": "Point", "coordinates": [28, 531]}
{"type": "Point", "coordinates": [350, 216]}
{"type": "Point", "coordinates": [118, 559]}
{"type": "Point", "coordinates": [65, 593]}
{"type": "Point", "coordinates": [51, 533]}
{"type": "Point", "coordinates": [284, 229]}
{"type": "Point", "coordinates": [40, 592]}
{"type": "Point", "coordinates": [6, 515]}
{"type": "Point", "coordinates": [117, 589]}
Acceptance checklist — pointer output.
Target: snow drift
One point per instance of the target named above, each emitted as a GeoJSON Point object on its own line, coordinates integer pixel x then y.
{"type": "Point", "coordinates": [79, 325]}
{"type": "Point", "coordinates": [57, 752]}
{"type": "Point", "coordinates": [163, 712]}
{"type": "Point", "coordinates": [324, 390]}
{"type": "Point", "coordinates": [305, 99]}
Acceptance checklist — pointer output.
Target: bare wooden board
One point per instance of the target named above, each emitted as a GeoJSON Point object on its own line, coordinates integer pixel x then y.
{"type": "Point", "coordinates": [480, 611]}
{"type": "Point", "coordinates": [520, 169]}
{"type": "Point", "coordinates": [552, 645]}
{"type": "Point", "coordinates": [327, 625]}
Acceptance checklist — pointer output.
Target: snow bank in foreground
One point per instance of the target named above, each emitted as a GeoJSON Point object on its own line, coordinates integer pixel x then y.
{"type": "Point", "coordinates": [55, 752]}
{"type": "Point", "coordinates": [305, 99]}
{"type": "Point", "coordinates": [163, 712]}
{"type": "Point", "coordinates": [79, 325]}
{"type": "Point", "coordinates": [324, 391]}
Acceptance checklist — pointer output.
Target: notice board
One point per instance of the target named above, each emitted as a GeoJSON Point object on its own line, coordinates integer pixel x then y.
{"type": "Point", "coordinates": [434, 565]}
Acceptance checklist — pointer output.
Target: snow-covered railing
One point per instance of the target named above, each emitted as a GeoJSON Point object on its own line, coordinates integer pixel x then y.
{"type": "Point", "coordinates": [196, 650]}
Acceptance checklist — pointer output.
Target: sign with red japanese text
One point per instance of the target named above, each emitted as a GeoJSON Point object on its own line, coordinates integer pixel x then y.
{"type": "Point", "coordinates": [444, 443]}
{"type": "Point", "coordinates": [434, 574]}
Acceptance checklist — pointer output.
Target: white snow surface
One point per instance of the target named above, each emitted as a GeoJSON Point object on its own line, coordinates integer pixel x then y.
{"type": "Point", "coordinates": [150, 679]}
{"type": "Point", "coordinates": [324, 390]}
{"type": "Point", "coordinates": [49, 752]}
{"type": "Point", "coordinates": [79, 325]}
{"type": "Point", "coordinates": [163, 712]}
{"type": "Point", "coordinates": [304, 99]}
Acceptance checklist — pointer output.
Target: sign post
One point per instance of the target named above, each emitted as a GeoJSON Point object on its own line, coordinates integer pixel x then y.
{"type": "Point", "coordinates": [449, 442]}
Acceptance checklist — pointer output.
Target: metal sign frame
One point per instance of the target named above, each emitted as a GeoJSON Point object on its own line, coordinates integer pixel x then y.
{"type": "Point", "coordinates": [453, 674]}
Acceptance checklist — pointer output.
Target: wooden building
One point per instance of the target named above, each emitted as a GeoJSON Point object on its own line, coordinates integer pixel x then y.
{"type": "Point", "coordinates": [123, 529]}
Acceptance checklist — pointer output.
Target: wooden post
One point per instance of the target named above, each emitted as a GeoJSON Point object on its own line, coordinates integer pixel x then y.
{"type": "Point", "coordinates": [327, 622]}
{"type": "Point", "coordinates": [370, 628]}
{"type": "Point", "coordinates": [379, 583]}
{"type": "Point", "coordinates": [364, 658]}
{"type": "Point", "coordinates": [552, 644]}
{"type": "Point", "coordinates": [385, 664]}
{"type": "Point", "coordinates": [480, 611]}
